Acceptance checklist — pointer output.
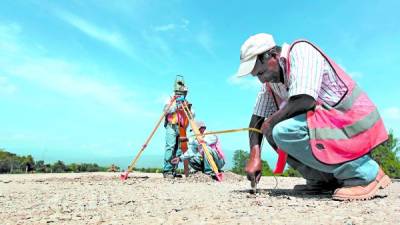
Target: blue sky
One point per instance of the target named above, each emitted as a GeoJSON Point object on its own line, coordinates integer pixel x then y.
{"type": "Point", "coordinates": [86, 81]}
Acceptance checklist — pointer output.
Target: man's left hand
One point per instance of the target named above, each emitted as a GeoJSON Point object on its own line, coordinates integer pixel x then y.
{"type": "Point", "coordinates": [266, 129]}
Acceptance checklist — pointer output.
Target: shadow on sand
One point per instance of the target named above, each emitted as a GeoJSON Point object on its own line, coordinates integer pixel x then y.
{"type": "Point", "coordinates": [287, 193]}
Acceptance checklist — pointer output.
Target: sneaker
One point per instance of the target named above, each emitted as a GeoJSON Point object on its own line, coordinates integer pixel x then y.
{"type": "Point", "coordinates": [362, 192]}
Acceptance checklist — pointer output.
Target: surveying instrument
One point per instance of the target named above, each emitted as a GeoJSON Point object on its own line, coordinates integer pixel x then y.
{"type": "Point", "coordinates": [185, 118]}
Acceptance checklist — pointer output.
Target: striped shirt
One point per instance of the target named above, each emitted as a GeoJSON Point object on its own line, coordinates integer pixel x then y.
{"type": "Point", "coordinates": [310, 74]}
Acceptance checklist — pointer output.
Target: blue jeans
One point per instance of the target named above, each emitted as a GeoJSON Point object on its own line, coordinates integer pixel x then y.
{"type": "Point", "coordinates": [199, 163]}
{"type": "Point", "coordinates": [171, 147]}
{"type": "Point", "coordinates": [292, 137]}
{"type": "Point", "coordinates": [219, 162]}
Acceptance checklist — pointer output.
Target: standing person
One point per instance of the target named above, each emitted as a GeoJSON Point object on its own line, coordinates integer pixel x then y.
{"type": "Point", "coordinates": [317, 115]}
{"type": "Point", "coordinates": [195, 153]}
{"type": "Point", "coordinates": [175, 125]}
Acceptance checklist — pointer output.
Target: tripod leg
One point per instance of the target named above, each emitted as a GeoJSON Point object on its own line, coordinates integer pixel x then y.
{"type": "Point", "coordinates": [186, 167]}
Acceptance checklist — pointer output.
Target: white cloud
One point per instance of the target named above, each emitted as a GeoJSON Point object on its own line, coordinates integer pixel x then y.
{"type": "Point", "coordinates": [244, 82]}
{"type": "Point", "coordinates": [181, 33]}
{"type": "Point", "coordinates": [172, 26]}
{"type": "Point", "coordinates": [67, 79]}
{"type": "Point", "coordinates": [111, 38]}
{"type": "Point", "coordinates": [63, 76]}
{"type": "Point", "coordinates": [391, 113]}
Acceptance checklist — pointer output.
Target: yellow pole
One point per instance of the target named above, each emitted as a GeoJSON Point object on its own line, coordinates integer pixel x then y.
{"type": "Point", "coordinates": [231, 131]}
{"type": "Point", "coordinates": [133, 163]}
{"type": "Point", "coordinates": [199, 138]}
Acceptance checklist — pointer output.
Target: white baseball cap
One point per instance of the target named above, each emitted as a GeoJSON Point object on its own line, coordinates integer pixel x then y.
{"type": "Point", "coordinates": [252, 47]}
{"type": "Point", "coordinates": [199, 124]}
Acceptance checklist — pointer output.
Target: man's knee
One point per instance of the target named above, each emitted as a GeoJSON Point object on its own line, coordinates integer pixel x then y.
{"type": "Point", "coordinates": [278, 132]}
{"type": "Point", "coordinates": [287, 131]}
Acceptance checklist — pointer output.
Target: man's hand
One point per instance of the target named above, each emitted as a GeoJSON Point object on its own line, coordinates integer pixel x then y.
{"type": "Point", "coordinates": [266, 129]}
{"type": "Point", "coordinates": [175, 160]}
{"type": "Point", "coordinates": [267, 126]}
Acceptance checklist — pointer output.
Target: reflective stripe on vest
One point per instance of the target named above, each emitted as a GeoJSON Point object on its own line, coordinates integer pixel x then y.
{"type": "Point", "coordinates": [348, 131]}
{"type": "Point", "coordinates": [342, 130]}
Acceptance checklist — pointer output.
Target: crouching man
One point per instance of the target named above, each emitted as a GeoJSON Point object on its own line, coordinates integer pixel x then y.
{"type": "Point", "coordinates": [328, 126]}
{"type": "Point", "coordinates": [195, 153]}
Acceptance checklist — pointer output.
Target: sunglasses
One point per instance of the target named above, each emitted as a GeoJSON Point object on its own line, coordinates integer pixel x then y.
{"type": "Point", "coordinates": [267, 55]}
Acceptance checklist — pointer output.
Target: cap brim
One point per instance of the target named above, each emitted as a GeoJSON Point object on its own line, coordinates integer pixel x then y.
{"type": "Point", "coordinates": [246, 67]}
{"type": "Point", "coordinates": [199, 128]}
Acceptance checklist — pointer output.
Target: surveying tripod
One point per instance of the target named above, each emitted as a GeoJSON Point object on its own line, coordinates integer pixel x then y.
{"type": "Point", "coordinates": [194, 128]}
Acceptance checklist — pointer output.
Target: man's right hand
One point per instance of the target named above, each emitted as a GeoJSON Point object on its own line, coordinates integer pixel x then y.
{"type": "Point", "coordinates": [254, 164]}
{"type": "Point", "coordinates": [254, 167]}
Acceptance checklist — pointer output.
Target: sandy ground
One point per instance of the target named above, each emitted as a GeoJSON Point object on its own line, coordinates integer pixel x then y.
{"type": "Point", "coordinates": [101, 198]}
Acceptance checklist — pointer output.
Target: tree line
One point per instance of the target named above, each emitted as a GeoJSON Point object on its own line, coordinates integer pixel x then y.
{"type": "Point", "coordinates": [240, 158]}
{"type": "Point", "coordinates": [386, 154]}
{"type": "Point", "coordinates": [12, 163]}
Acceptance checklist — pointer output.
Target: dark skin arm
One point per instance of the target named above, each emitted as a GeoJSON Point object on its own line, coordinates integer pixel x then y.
{"type": "Point", "coordinates": [255, 138]}
{"type": "Point", "coordinates": [296, 105]}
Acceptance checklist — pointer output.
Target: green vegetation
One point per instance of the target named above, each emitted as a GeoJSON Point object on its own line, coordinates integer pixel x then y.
{"type": "Point", "coordinates": [149, 170]}
{"type": "Point", "coordinates": [387, 156]}
{"type": "Point", "coordinates": [240, 158]}
{"type": "Point", "coordinates": [155, 170]}
{"type": "Point", "coordinates": [12, 163]}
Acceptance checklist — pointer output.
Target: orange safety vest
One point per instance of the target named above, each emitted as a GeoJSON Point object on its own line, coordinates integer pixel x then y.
{"type": "Point", "coordinates": [179, 117]}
